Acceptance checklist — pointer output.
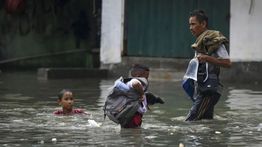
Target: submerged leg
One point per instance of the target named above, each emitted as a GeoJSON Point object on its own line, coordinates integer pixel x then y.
{"type": "Point", "coordinates": [202, 108]}
{"type": "Point", "coordinates": [210, 111]}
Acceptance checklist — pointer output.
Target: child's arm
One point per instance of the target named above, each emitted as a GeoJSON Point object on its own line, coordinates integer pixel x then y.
{"type": "Point", "coordinates": [138, 87]}
{"type": "Point", "coordinates": [152, 99]}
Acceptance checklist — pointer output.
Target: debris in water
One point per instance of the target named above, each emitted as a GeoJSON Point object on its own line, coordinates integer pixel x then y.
{"type": "Point", "coordinates": [181, 145]}
{"type": "Point", "coordinates": [42, 142]}
{"type": "Point", "coordinates": [93, 123]}
{"type": "Point", "coordinates": [54, 140]}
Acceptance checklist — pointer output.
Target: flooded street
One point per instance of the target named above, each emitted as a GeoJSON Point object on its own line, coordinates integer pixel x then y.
{"type": "Point", "coordinates": [27, 104]}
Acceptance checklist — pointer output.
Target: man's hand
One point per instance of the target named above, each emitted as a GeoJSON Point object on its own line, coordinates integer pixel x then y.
{"type": "Point", "coordinates": [202, 57]}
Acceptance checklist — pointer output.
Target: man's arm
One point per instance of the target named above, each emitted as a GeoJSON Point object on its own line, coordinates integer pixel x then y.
{"type": "Point", "coordinates": [220, 62]}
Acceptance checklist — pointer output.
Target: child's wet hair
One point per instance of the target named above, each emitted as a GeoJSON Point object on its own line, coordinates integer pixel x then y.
{"type": "Point", "coordinates": [62, 92]}
{"type": "Point", "coordinates": [138, 68]}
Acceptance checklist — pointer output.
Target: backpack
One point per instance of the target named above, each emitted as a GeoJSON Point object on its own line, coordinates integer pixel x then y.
{"type": "Point", "coordinates": [121, 103]}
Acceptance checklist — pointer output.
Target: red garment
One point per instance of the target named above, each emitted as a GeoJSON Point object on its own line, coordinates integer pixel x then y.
{"type": "Point", "coordinates": [74, 111]}
{"type": "Point", "coordinates": [14, 6]}
{"type": "Point", "coordinates": [135, 122]}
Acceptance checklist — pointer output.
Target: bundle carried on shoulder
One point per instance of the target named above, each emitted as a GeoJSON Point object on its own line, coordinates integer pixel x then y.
{"type": "Point", "coordinates": [121, 103]}
{"type": "Point", "coordinates": [209, 41]}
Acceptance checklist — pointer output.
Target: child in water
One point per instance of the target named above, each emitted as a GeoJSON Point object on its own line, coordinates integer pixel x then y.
{"type": "Point", "coordinates": [139, 81]}
{"type": "Point", "coordinates": [66, 100]}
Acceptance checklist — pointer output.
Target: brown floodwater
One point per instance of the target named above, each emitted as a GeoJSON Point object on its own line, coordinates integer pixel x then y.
{"type": "Point", "coordinates": [26, 106]}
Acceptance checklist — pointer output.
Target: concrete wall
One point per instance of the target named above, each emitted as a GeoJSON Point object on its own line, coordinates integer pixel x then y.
{"type": "Point", "coordinates": [246, 30]}
{"type": "Point", "coordinates": [45, 29]}
{"type": "Point", "coordinates": [112, 31]}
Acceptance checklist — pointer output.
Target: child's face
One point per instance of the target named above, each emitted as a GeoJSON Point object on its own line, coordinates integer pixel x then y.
{"type": "Point", "coordinates": [144, 74]}
{"type": "Point", "coordinates": [67, 101]}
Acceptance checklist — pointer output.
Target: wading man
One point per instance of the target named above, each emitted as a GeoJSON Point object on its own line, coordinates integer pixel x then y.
{"type": "Point", "coordinates": [211, 51]}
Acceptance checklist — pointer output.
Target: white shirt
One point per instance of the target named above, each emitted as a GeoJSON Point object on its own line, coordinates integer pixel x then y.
{"type": "Point", "coordinates": [222, 52]}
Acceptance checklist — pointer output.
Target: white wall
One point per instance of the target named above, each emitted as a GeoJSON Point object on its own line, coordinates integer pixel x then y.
{"type": "Point", "coordinates": [112, 31]}
{"type": "Point", "coordinates": [246, 30]}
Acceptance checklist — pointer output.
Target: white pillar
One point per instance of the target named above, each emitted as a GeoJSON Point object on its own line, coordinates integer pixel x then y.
{"type": "Point", "coordinates": [112, 31]}
{"type": "Point", "coordinates": [246, 30]}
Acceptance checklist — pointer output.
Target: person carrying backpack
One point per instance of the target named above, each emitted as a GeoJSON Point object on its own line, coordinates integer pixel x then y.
{"type": "Point", "coordinates": [129, 99]}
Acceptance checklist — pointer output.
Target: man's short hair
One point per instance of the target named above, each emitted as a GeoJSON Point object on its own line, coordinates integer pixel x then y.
{"type": "Point", "coordinates": [200, 15]}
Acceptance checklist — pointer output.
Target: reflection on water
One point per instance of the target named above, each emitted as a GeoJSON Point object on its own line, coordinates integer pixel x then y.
{"type": "Point", "coordinates": [245, 115]}
{"type": "Point", "coordinates": [27, 104]}
{"type": "Point", "coordinates": [243, 99]}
